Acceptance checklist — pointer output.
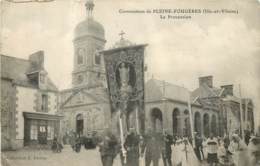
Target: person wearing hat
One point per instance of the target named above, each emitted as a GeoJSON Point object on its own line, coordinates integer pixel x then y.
{"type": "Point", "coordinates": [224, 155]}
{"type": "Point", "coordinates": [212, 149]}
{"type": "Point", "coordinates": [178, 150]}
{"type": "Point", "coordinates": [151, 148]}
{"type": "Point", "coordinates": [239, 150]}
{"type": "Point", "coordinates": [198, 147]}
{"type": "Point", "coordinates": [77, 146]}
{"type": "Point", "coordinates": [167, 149]}
{"type": "Point", "coordinates": [108, 147]}
{"type": "Point", "coordinates": [132, 148]}
{"type": "Point", "coordinates": [254, 151]}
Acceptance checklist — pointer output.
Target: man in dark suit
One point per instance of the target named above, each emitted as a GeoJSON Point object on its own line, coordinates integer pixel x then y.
{"type": "Point", "coordinates": [132, 148]}
{"type": "Point", "coordinates": [152, 148]}
{"type": "Point", "coordinates": [198, 147]}
{"type": "Point", "coordinates": [167, 149]}
{"type": "Point", "coordinates": [108, 148]}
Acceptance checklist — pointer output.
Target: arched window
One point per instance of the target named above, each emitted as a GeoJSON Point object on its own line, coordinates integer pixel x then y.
{"type": "Point", "coordinates": [197, 123]}
{"type": "Point", "coordinates": [80, 56]}
{"type": "Point", "coordinates": [97, 57]}
{"type": "Point", "coordinates": [187, 129]}
{"type": "Point", "coordinates": [80, 79]}
{"type": "Point", "coordinates": [206, 125]}
{"type": "Point", "coordinates": [214, 125]}
{"type": "Point", "coordinates": [156, 117]}
{"type": "Point", "coordinates": [176, 122]}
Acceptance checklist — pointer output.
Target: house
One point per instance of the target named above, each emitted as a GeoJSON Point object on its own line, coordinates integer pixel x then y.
{"type": "Point", "coordinates": [29, 102]}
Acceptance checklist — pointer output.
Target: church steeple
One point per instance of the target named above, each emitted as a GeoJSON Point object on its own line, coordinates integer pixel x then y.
{"type": "Point", "coordinates": [89, 39]}
{"type": "Point", "coordinates": [89, 7]}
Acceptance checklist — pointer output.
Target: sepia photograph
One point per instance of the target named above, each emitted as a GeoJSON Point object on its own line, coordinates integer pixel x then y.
{"type": "Point", "coordinates": [130, 83]}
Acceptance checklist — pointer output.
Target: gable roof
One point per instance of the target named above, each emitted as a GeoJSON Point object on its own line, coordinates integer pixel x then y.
{"type": "Point", "coordinates": [16, 69]}
{"type": "Point", "coordinates": [204, 91]}
{"type": "Point", "coordinates": [158, 90]}
{"type": "Point", "coordinates": [91, 96]}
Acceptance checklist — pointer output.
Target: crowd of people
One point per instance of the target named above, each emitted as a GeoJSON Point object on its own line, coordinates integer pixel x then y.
{"type": "Point", "coordinates": [149, 148]}
{"type": "Point", "coordinates": [153, 146]}
{"type": "Point", "coordinates": [228, 150]}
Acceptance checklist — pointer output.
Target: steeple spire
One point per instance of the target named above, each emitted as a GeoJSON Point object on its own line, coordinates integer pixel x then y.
{"type": "Point", "coordinates": [89, 7]}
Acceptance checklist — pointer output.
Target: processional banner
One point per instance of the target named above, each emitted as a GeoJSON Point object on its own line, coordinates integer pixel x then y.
{"type": "Point", "coordinates": [125, 80]}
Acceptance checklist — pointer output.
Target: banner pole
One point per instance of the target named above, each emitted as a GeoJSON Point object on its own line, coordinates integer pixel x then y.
{"type": "Point", "coordinates": [122, 137]}
{"type": "Point", "coordinates": [241, 115]}
{"type": "Point", "coordinates": [191, 122]}
{"type": "Point", "coordinates": [137, 120]}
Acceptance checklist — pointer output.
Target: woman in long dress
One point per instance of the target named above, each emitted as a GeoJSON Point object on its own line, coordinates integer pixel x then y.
{"type": "Point", "coordinates": [183, 154]}
{"type": "Point", "coordinates": [239, 150]}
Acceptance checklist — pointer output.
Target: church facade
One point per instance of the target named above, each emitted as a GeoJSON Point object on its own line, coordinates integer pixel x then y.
{"type": "Point", "coordinates": [85, 106]}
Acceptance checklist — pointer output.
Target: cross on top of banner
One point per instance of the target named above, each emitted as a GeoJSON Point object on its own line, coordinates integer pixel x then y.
{"type": "Point", "coordinates": [122, 33]}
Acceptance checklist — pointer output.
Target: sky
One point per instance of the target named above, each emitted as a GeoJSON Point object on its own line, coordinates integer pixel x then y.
{"type": "Point", "coordinates": [225, 45]}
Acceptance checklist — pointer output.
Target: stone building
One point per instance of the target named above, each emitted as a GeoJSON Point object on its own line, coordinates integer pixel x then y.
{"type": "Point", "coordinates": [223, 101]}
{"type": "Point", "coordinates": [167, 107]}
{"type": "Point", "coordinates": [85, 106]}
{"type": "Point", "coordinates": [208, 97]}
{"type": "Point", "coordinates": [29, 102]}
{"type": "Point", "coordinates": [231, 112]}
{"type": "Point", "coordinates": [213, 109]}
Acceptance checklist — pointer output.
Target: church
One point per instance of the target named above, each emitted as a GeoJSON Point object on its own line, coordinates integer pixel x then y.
{"type": "Point", "coordinates": [86, 106]}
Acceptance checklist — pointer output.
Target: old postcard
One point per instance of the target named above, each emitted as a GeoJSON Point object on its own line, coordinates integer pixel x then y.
{"type": "Point", "coordinates": [130, 83]}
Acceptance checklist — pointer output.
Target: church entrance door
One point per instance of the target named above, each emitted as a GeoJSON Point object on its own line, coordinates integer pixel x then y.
{"type": "Point", "coordinates": [176, 122]}
{"type": "Point", "coordinates": [79, 124]}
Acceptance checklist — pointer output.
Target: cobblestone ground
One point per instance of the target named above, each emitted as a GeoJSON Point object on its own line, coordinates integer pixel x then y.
{"type": "Point", "coordinates": [29, 157]}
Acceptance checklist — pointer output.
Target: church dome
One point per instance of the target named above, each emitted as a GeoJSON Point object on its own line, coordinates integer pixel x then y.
{"type": "Point", "coordinates": [89, 27]}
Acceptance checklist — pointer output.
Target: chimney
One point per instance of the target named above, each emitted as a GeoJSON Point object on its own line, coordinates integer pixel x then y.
{"type": "Point", "coordinates": [37, 59]}
{"type": "Point", "coordinates": [208, 80]}
{"type": "Point", "coordinates": [228, 90]}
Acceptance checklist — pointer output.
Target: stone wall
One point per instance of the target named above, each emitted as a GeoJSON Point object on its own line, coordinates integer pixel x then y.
{"type": "Point", "coordinates": [95, 117]}
{"type": "Point", "coordinates": [29, 100]}
{"type": "Point", "coordinates": [168, 107]}
{"type": "Point", "coordinates": [25, 103]}
{"type": "Point", "coordinates": [7, 114]}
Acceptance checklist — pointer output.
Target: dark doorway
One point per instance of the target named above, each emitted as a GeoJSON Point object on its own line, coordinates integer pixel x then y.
{"type": "Point", "coordinates": [214, 125]}
{"type": "Point", "coordinates": [197, 124]}
{"type": "Point", "coordinates": [157, 120]}
{"type": "Point", "coordinates": [187, 127]}
{"type": "Point", "coordinates": [79, 124]}
{"type": "Point", "coordinates": [175, 122]}
{"type": "Point", "coordinates": [206, 125]}
{"type": "Point", "coordinates": [42, 132]}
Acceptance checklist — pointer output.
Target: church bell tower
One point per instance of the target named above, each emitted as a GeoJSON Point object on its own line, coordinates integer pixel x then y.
{"type": "Point", "coordinates": [89, 39]}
